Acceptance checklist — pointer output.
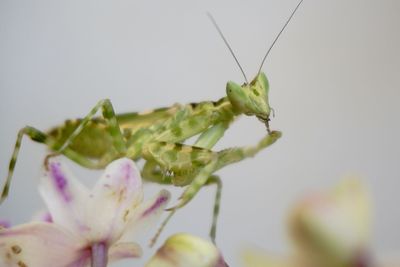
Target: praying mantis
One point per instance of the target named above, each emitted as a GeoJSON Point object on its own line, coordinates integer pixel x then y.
{"type": "Point", "coordinates": [158, 137]}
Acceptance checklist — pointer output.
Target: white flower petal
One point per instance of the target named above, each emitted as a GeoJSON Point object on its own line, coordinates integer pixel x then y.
{"type": "Point", "coordinates": [41, 244]}
{"type": "Point", "coordinates": [113, 200]}
{"type": "Point", "coordinates": [147, 214]}
{"type": "Point", "coordinates": [65, 197]}
{"type": "Point", "coordinates": [123, 251]}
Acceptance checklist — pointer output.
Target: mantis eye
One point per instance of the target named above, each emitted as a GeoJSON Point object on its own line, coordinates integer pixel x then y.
{"type": "Point", "coordinates": [236, 95]}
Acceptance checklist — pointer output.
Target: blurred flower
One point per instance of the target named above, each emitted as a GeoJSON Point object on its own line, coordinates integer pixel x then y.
{"type": "Point", "coordinates": [5, 224]}
{"type": "Point", "coordinates": [184, 250]}
{"type": "Point", "coordinates": [328, 229]}
{"type": "Point", "coordinates": [258, 258]}
{"type": "Point", "coordinates": [333, 228]}
{"type": "Point", "coordinates": [85, 226]}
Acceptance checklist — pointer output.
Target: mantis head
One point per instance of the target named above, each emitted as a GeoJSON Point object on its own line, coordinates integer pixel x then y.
{"type": "Point", "coordinates": [251, 99]}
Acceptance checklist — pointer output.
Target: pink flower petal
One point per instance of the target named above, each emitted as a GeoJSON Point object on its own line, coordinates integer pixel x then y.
{"type": "Point", "coordinates": [5, 224]}
{"type": "Point", "coordinates": [113, 199]}
{"type": "Point", "coordinates": [147, 214]}
{"type": "Point", "coordinates": [41, 244]}
{"type": "Point", "coordinates": [123, 251]}
{"type": "Point", "coordinates": [65, 197]}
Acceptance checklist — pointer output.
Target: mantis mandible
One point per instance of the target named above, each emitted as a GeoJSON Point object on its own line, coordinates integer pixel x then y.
{"type": "Point", "coordinates": [158, 137]}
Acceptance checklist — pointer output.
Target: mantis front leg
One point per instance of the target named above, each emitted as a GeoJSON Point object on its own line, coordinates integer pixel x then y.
{"type": "Point", "coordinates": [206, 140]}
{"type": "Point", "coordinates": [192, 189]}
{"type": "Point", "coordinates": [232, 155]}
{"type": "Point", "coordinates": [217, 201]}
{"type": "Point", "coordinates": [221, 159]}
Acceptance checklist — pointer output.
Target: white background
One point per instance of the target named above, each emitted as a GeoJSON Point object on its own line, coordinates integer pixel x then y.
{"type": "Point", "coordinates": [334, 78]}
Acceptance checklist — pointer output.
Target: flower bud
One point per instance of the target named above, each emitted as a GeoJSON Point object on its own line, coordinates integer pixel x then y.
{"type": "Point", "coordinates": [333, 227]}
{"type": "Point", "coordinates": [183, 250]}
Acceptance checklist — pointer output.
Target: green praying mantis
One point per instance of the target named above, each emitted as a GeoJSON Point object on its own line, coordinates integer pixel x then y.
{"type": "Point", "coordinates": [158, 137]}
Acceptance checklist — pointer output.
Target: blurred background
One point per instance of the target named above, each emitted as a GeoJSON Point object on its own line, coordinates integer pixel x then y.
{"type": "Point", "coordinates": [334, 77]}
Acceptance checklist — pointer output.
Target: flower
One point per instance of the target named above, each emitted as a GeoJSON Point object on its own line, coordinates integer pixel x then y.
{"type": "Point", "coordinates": [329, 229]}
{"type": "Point", "coordinates": [334, 226]}
{"type": "Point", "coordinates": [183, 250]}
{"type": "Point", "coordinates": [255, 257]}
{"type": "Point", "coordinates": [88, 226]}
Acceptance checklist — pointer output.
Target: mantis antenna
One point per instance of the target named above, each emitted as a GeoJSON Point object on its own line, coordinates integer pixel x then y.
{"type": "Point", "coordinates": [279, 34]}
{"type": "Point", "coordinates": [227, 44]}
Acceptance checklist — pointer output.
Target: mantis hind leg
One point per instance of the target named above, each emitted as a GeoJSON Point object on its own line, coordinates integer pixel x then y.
{"type": "Point", "coordinates": [112, 127]}
{"type": "Point", "coordinates": [111, 122]}
{"type": "Point", "coordinates": [40, 137]}
{"type": "Point", "coordinates": [35, 135]}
